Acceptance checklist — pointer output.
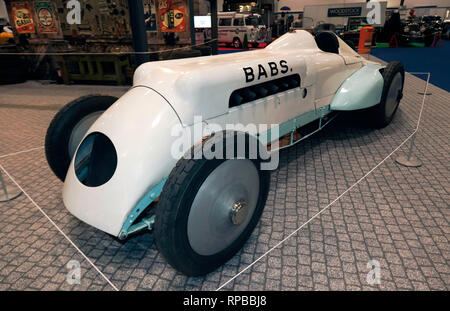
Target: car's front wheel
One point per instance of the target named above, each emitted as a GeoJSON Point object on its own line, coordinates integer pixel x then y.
{"type": "Point", "coordinates": [207, 211]}
{"type": "Point", "coordinates": [394, 78]}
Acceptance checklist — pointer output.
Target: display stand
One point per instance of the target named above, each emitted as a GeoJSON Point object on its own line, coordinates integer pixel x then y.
{"type": "Point", "coordinates": [425, 91]}
{"type": "Point", "coordinates": [409, 160]}
{"type": "Point", "coordinates": [8, 192]}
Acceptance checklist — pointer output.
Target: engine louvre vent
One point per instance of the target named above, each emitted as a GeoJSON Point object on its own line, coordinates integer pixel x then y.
{"type": "Point", "coordinates": [258, 91]}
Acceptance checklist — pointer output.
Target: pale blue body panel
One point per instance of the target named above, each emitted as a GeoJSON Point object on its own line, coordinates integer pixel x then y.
{"type": "Point", "coordinates": [148, 198]}
{"type": "Point", "coordinates": [361, 90]}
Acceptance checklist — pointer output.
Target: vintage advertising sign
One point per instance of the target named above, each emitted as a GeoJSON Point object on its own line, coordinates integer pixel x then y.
{"type": "Point", "coordinates": [150, 15]}
{"type": "Point", "coordinates": [23, 20]}
{"type": "Point", "coordinates": [46, 17]}
{"type": "Point", "coordinates": [338, 12]}
{"type": "Point", "coordinates": [172, 15]}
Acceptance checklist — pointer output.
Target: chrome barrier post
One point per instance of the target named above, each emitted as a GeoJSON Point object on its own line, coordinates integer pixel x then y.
{"type": "Point", "coordinates": [410, 160]}
{"type": "Point", "coordinates": [8, 192]}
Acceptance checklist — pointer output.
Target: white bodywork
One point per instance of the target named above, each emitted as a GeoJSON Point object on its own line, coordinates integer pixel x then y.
{"type": "Point", "coordinates": [167, 93]}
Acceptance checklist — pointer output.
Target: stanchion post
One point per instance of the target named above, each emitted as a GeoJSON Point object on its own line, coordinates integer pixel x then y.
{"type": "Point", "coordinates": [8, 192]}
{"type": "Point", "coordinates": [5, 190]}
{"type": "Point", "coordinates": [424, 93]}
{"type": "Point", "coordinates": [410, 160]}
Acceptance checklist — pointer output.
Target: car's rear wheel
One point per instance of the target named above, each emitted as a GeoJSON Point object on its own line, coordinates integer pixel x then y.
{"type": "Point", "coordinates": [207, 211]}
{"type": "Point", "coordinates": [68, 128]}
{"type": "Point", "coordinates": [394, 77]}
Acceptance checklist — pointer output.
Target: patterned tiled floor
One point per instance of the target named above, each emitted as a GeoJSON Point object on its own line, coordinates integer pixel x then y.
{"type": "Point", "coordinates": [397, 216]}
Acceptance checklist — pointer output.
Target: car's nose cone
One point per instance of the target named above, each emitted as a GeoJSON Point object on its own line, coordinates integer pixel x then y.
{"type": "Point", "coordinates": [126, 152]}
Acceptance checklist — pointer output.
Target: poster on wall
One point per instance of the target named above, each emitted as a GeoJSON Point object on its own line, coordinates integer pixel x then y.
{"type": "Point", "coordinates": [46, 17]}
{"type": "Point", "coordinates": [172, 15]}
{"type": "Point", "coordinates": [150, 15]}
{"type": "Point", "coordinates": [23, 20]}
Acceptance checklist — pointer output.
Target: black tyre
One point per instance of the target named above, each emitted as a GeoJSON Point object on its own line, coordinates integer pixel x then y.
{"type": "Point", "coordinates": [394, 79]}
{"type": "Point", "coordinates": [207, 211]}
{"type": "Point", "coordinates": [237, 43]}
{"type": "Point", "coordinates": [68, 128]}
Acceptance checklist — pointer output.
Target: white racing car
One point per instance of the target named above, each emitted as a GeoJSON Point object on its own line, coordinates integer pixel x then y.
{"type": "Point", "coordinates": [116, 158]}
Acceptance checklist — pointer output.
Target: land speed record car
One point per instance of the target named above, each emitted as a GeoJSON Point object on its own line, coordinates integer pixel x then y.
{"type": "Point", "coordinates": [116, 159]}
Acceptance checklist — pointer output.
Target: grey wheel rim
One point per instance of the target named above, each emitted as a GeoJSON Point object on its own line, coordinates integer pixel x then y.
{"type": "Point", "coordinates": [223, 206]}
{"type": "Point", "coordinates": [236, 43]}
{"type": "Point", "coordinates": [392, 97]}
{"type": "Point", "coordinates": [80, 130]}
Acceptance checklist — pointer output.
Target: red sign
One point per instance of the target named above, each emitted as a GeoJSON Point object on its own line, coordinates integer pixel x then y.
{"type": "Point", "coordinates": [23, 19]}
{"type": "Point", "coordinates": [172, 15]}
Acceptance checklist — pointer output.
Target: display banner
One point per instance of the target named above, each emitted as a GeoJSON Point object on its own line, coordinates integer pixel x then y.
{"type": "Point", "coordinates": [23, 20]}
{"type": "Point", "coordinates": [172, 15]}
{"type": "Point", "coordinates": [46, 17]}
{"type": "Point", "coordinates": [339, 12]}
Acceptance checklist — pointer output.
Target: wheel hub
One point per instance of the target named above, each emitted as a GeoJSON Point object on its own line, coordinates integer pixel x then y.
{"type": "Point", "coordinates": [223, 206]}
{"type": "Point", "coordinates": [239, 212]}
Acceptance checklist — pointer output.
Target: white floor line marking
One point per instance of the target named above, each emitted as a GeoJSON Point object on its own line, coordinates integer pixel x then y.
{"type": "Point", "coordinates": [56, 226]}
{"type": "Point", "coordinates": [20, 152]}
{"type": "Point", "coordinates": [338, 198]}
